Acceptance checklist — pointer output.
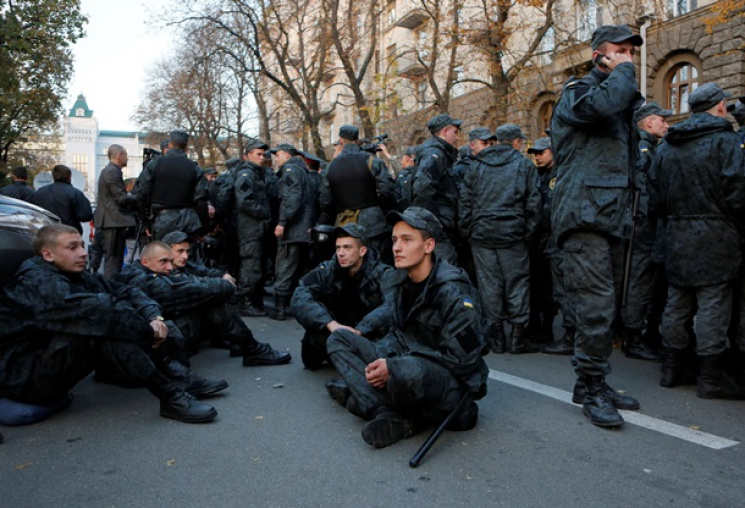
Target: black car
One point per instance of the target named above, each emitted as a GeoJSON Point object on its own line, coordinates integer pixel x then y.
{"type": "Point", "coordinates": [19, 221]}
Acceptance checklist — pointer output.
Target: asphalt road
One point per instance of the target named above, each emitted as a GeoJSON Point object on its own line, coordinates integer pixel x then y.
{"type": "Point", "coordinates": [279, 440]}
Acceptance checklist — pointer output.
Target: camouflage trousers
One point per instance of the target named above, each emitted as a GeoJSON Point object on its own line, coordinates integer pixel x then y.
{"type": "Point", "coordinates": [212, 322]}
{"type": "Point", "coordinates": [290, 260]}
{"type": "Point", "coordinates": [67, 359]}
{"type": "Point", "coordinates": [712, 307]}
{"type": "Point", "coordinates": [249, 276]}
{"type": "Point", "coordinates": [643, 281]}
{"type": "Point", "coordinates": [418, 388]}
{"type": "Point", "coordinates": [593, 269]}
{"type": "Point", "coordinates": [504, 282]}
{"type": "Point", "coordinates": [559, 293]}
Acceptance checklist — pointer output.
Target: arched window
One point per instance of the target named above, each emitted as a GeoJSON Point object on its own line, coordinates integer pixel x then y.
{"type": "Point", "coordinates": [544, 117]}
{"type": "Point", "coordinates": [682, 80]}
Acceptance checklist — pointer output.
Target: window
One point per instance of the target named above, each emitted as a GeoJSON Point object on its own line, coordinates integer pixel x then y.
{"type": "Point", "coordinates": [422, 46]}
{"type": "Point", "coordinates": [680, 7]}
{"type": "Point", "coordinates": [548, 44]}
{"type": "Point", "coordinates": [391, 105]}
{"type": "Point", "coordinates": [589, 18]}
{"type": "Point", "coordinates": [391, 14]}
{"type": "Point", "coordinates": [80, 162]}
{"type": "Point", "coordinates": [458, 88]}
{"type": "Point", "coordinates": [80, 112]}
{"type": "Point", "coordinates": [544, 117]}
{"type": "Point", "coordinates": [682, 80]}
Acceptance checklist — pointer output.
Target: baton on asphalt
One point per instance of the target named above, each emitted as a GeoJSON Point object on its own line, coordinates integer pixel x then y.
{"type": "Point", "coordinates": [422, 451]}
{"type": "Point", "coordinates": [629, 251]}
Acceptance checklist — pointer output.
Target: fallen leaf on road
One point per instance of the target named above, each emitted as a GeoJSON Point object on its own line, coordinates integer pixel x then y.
{"type": "Point", "coordinates": [258, 417]}
{"type": "Point", "coordinates": [257, 379]}
{"type": "Point", "coordinates": [24, 466]}
{"type": "Point", "coordinates": [170, 462]}
{"type": "Point", "coordinates": [694, 427]}
{"type": "Point", "coordinates": [278, 385]}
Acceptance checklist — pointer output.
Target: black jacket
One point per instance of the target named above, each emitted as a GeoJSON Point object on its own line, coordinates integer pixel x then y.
{"type": "Point", "coordinates": [433, 186]}
{"type": "Point", "coordinates": [65, 201]}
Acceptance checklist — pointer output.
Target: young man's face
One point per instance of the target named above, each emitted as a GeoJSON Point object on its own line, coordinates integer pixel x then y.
{"type": "Point", "coordinates": [544, 158]}
{"type": "Point", "coordinates": [68, 253]}
{"type": "Point", "coordinates": [256, 155]}
{"type": "Point", "coordinates": [350, 253]}
{"type": "Point", "coordinates": [477, 145]}
{"type": "Point", "coordinates": [409, 246]}
{"type": "Point", "coordinates": [159, 261]}
{"type": "Point", "coordinates": [657, 125]}
{"type": "Point", "coordinates": [180, 252]}
{"type": "Point", "coordinates": [450, 134]}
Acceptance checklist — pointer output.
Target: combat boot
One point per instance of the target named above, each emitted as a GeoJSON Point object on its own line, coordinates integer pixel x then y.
{"type": "Point", "coordinates": [338, 390]}
{"type": "Point", "coordinates": [388, 427]}
{"type": "Point", "coordinates": [634, 346]}
{"type": "Point", "coordinates": [258, 354]}
{"type": "Point", "coordinates": [248, 309]}
{"type": "Point", "coordinates": [675, 371]}
{"type": "Point", "coordinates": [563, 346]}
{"type": "Point", "coordinates": [279, 313]}
{"type": "Point", "coordinates": [518, 343]}
{"type": "Point", "coordinates": [189, 381]}
{"type": "Point", "coordinates": [713, 384]}
{"type": "Point", "coordinates": [619, 401]}
{"type": "Point", "coordinates": [175, 403]}
{"type": "Point", "coordinates": [497, 341]}
{"type": "Point", "coordinates": [597, 406]}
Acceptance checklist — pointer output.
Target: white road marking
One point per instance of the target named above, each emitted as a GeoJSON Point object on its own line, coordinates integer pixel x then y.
{"type": "Point", "coordinates": [634, 417]}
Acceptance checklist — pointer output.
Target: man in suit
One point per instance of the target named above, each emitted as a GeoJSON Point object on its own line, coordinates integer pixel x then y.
{"type": "Point", "coordinates": [114, 213]}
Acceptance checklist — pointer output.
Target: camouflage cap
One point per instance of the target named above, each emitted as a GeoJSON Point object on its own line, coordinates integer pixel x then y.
{"type": "Point", "coordinates": [437, 123]}
{"type": "Point", "coordinates": [410, 151]}
{"type": "Point", "coordinates": [349, 132]}
{"type": "Point", "coordinates": [706, 97]}
{"type": "Point", "coordinates": [615, 34]}
{"type": "Point", "coordinates": [254, 144]}
{"type": "Point", "coordinates": [737, 110]}
{"type": "Point", "coordinates": [540, 145]}
{"type": "Point", "coordinates": [179, 137]}
{"type": "Point", "coordinates": [509, 131]}
{"type": "Point", "coordinates": [649, 109]}
{"type": "Point", "coordinates": [164, 144]}
{"type": "Point", "coordinates": [176, 237]}
{"type": "Point", "coordinates": [231, 163]}
{"type": "Point", "coordinates": [481, 133]}
{"type": "Point", "coordinates": [286, 147]}
{"type": "Point", "coordinates": [353, 230]}
{"type": "Point", "coordinates": [210, 171]}
{"type": "Point", "coordinates": [418, 218]}
{"type": "Point", "coordinates": [309, 156]}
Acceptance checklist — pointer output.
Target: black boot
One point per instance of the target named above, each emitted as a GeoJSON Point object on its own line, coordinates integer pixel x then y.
{"type": "Point", "coordinates": [563, 346]}
{"type": "Point", "coordinates": [177, 404]}
{"type": "Point", "coordinates": [675, 370]}
{"type": "Point", "coordinates": [248, 309]}
{"type": "Point", "coordinates": [497, 341]}
{"type": "Point", "coordinates": [189, 381]}
{"type": "Point", "coordinates": [635, 347]}
{"type": "Point", "coordinates": [279, 313]}
{"type": "Point", "coordinates": [257, 354]}
{"type": "Point", "coordinates": [713, 384]}
{"type": "Point", "coordinates": [597, 406]}
{"type": "Point", "coordinates": [619, 401]}
{"type": "Point", "coordinates": [387, 427]}
{"type": "Point", "coordinates": [313, 354]}
{"type": "Point", "coordinates": [338, 390]}
{"type": "Point", "coordinates": [518, 343]}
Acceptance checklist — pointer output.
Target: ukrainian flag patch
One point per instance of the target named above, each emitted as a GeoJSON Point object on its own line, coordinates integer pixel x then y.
{"type": "Point", "coordinates": [468, 303]}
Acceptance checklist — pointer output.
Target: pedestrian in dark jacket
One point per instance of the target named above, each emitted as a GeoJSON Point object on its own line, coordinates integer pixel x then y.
{"type": "Point", "coordinates": [403, 179]}
{"type": "Point", "coordinates": [596, 146]}
{"type": "Point", "coordinates": [58, 323]}
{"type": "Point", "coordinates": [296, 218]}
{"type": "Point", "coordinates": [432, 184]}
{"type": "Point", "coordinates": [698, 190]}
{"type": "Point", "coordinates": [197, 304]}
{"type": "Point", "coordinates": [498, 211]}
{"type": "Point", "coordinates": [19, 189]}
{"type": "Point", "coordinates": [340, 293]}
{"type": "Point", "coordinates": [431, 357]}
{"type": "Point", "coordinates": [64, 200]}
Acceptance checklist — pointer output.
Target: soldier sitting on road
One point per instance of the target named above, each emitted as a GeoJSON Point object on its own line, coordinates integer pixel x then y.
{"type": "Point", "coordinates": [58, 323]}
{"type": "Point", "coordinates": [340, 293]}
{"type": "Point", "coordinates": [431, 357]}
{"type": "Point", "coordinates": [197, 305]}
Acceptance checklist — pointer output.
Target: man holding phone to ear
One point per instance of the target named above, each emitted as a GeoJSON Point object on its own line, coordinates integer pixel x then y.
{"type": "Point", "coordinates": [596, 146]}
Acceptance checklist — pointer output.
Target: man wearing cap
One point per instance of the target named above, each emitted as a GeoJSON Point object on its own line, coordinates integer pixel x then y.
{"type": "Point", "coordinates": [433, 186]}
{"type": "Point", "coordinates": [197, 305]}
{"type": "Point", "coordinates": [431, 357]}
{"type": "Point", "coordinates": [172, 188]}
{"type": "Point", "coordinates": [697, 186]}
{"type": "Point", "coordinates": [498, 212]}
{"type": "Point", "coordinates": [510, 134]}
{"type": "Point", "coordinates": [340, 293]}
{"type": "Point", "coordinates": [403, 179]}
{"type": "Point", "coordinates": [737, 110]}
{"type": "Point", "coordinates": [596, 147]}
{"type": "Point", "coordinates": [546, 277]}
{"type": "Point", "coordinates": [19, 189]}
{"type": "Point", "coordinates": [357, 188]}
{"type": "Point", "coordinates": [646, 274]}
{"type": "Point", "coordinates": [297, 209]}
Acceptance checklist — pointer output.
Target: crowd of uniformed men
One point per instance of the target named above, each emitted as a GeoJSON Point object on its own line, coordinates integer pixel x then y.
{"type": "Point", "coordinates": [630, 238]}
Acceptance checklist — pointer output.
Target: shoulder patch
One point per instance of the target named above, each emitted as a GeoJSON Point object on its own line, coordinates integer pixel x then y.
{"type": "Point", "coordinates": [644, 150]}
{"type": "Point", "coordinates": [552, 183]}
{"type": "Point", "coordinates": [468, 303]}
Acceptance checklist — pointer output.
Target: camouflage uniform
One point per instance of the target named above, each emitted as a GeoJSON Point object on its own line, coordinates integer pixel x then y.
{"type": "Point", "coordinates": [433, 353]}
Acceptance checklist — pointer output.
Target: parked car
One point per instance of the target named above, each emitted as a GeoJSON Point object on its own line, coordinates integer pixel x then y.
{"type": "Point", "coordinates": [19, 221]}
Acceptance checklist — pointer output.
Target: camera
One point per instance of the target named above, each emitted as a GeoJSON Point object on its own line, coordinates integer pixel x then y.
{"type": "Point", "coordinates": [148, 154]}
{"type": "Point", "coordinates": [371, 145]}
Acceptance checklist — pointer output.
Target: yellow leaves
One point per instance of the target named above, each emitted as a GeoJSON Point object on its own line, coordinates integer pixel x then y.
{"type": "Point", "coordinates": [170, 462]}
{"type": "Point", "coordinates": [723, 11]}
{"type": "Point", "coordinates": [24, 466]}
